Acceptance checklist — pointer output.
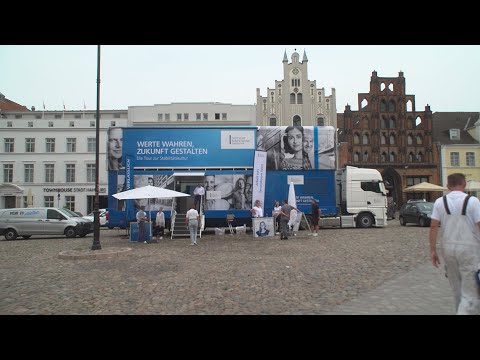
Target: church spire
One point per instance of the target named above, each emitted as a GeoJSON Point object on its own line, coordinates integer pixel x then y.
{"type": "Point", "coordinates": [304, 56]}
{"type": "Point", "coordinates": [285, 59]}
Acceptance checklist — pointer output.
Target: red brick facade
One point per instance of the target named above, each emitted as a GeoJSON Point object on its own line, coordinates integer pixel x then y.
{"type": "Point", "coordinates": [384, 135]}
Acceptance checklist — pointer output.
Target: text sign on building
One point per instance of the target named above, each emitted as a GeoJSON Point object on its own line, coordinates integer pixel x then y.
{"type": "Point", "coordinates": [185, 147]}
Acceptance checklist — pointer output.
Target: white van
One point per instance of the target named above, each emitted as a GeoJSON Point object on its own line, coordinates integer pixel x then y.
{"type": "Point", "coordinates": [26, 222]}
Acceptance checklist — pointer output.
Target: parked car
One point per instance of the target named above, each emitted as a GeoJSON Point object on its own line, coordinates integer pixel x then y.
{"type": "Point", "coordinates": [26, 222]}
{"type": "Point", "coordinates": [418, 212]}
{"type": "Point", "coordinates": [103, 217]}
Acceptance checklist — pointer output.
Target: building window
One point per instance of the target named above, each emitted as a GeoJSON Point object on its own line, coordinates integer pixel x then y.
{"type": "Point", "coordinates": [419, 140]}
{"type": "Point", "coordinates": [50, 124]}
{"type": "Point", "coordinates": [167, 117]}
{"type": "Point", "coordinates": [77, 116]}
{"type": "Point", "coordinates": [179, 117]}
{"type": "Point", "coordinates": [383, 106]}
{"type": "Point", "coordinates": [356, 139]}
{"type": "Point", "coordinates": [224, 116]}
{"type": "Point", "coordinates": [356, 156]}
{"type": "Point", "coordinates": [92, 123]}
{"type": "Point", "coordinates": [7, 173]}
{"type": "Point", "coordinates": [9, 144]}
{"type": "Point", "coordinates": [116, 116]}
{"type": "Point", "coordinates": [365, 139]}
{"type": "Point", "coordinates": [9, 124]}
{"type": "Point", "coordinates": [383, 157]}
{"type": "Point", "coordinates": [28, 173]}
{"type": "Point", "coordinates": [29, 145]}
{"type": "Point", "coordinates": [383, 139]}
{"type": "Point", "coordinates": [392, 157]}
{"type": "Point", "coordinates": [90, 172]}
{"type": "Point", "coordinates": [71, 123]}
{"type": "Point", "coordinates": [299, 98]}
{"type": "Point", "coordinates": [71, 145]}
{"type": "Point", "coordinates": [18, 116]}
{"type": "Point", "coordinates": [454, 134]}
{"type": "Point", "coordinates": [409, 140]}
{"type": "Point", "coordinates": [38, 116]}
{"type": "Point", "coordinates": [320, 121]}
{"type": "Point", "coordinates": [160, 117]}
{"type": "Point", "coordinates": [414, 180]}
{"type": "Point", "coordinates": [48, 201]}
{"type": "Point", "coordinates": [392, 123]}
{"type": "Point", "coordinates": [49, 173]}
{"type": "Point", "coordinates": [365, 156]}
{"type": "Point", "coordinates": [383, 122]}
{"type": "Point", "coordinates": [420, 157]}
{"type": "Point", "coordinates": [410, 157]}
{"type": "Point", "coordinates": [91, 145]}
{"type": "Point", "coordinates": [292, 98]}
{"type": "Point", "coordinates": [205, 116]}
{"type": "Point", "coordinates": [217, 116]}
{"type": "Point", "coordinates": [297, 121]}
{"type": "Point", "coordinates": [185, 116]}
{"type": "Point", "coordinates": [30, 124]}
{"type": "Point", "coordinates": [273, 122]}
{"type": "Point", "coordinates": [113, 123]}
{"type": "Point", "coordinates": [470, 159]}
{"type": "Point", "coordinates": [454, 159]}
{"type": "Point", "coordinates": [70, 173]}
{"type": "Point", "coordinates": [198, 116]}
{"type": "Point", "coordinates": [58, 116]}
{"type": "Point", "coordinates": [392, 139]}
{"type": "Point", "coordinates": [70, 203]}
{"type": "Point", "coordinates": [50, 144]}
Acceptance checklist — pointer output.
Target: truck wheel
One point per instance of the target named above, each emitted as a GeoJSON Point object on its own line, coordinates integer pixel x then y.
{"type": "Point", "coordinates": [10, 234]}
{"type": "Point", "coordinates": [365, 221]}
{"type": "Point", "coordinates": [70, 232]}
{"type": "Point", "coordinates": [402, 221]}
{"type": "Point", "coordinates": [422, 222]}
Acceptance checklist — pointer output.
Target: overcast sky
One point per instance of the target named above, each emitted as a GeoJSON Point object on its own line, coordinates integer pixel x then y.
{"type": "Point", "coordinates": [446, 77]}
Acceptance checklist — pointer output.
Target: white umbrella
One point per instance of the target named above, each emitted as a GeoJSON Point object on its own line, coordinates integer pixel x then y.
{"type": "Point", "coordinates": [472, 185]}
{"type": "Point", "coordinates": [291, 196]}
{"type": "Point", "coordinates": [148, 192]}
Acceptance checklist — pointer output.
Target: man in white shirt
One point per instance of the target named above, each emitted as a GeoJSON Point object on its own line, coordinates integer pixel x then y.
{"type": "Point", "coordinates": [257, 210]}
{"type": "Point", "coordinates": [198, 192]}
{"type": "Point", "coordinates": [191, 220]}
{"type": "Point", "coordinates": [459, 216]}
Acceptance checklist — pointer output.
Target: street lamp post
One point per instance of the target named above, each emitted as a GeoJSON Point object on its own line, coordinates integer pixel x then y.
{"type": "Point", "coordinates": [96, 220]}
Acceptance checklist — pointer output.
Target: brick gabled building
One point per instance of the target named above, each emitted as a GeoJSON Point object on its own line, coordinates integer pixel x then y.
{"type": "Point", "coordinates": [387, 133]}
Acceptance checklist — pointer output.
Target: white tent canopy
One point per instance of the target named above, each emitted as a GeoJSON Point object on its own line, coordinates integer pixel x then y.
{"type": "Point", "coordinates": [148, 192]}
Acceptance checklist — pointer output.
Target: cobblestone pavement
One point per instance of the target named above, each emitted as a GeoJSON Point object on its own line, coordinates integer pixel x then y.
{"type": "Point", "coordinates": [341, 271]}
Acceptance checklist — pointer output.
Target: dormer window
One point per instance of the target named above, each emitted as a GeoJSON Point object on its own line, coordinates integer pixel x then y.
{"type": "Point", "coordinates": [454, 134]}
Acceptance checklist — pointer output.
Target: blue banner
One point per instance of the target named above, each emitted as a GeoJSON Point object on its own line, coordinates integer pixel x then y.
{"type": "Point", "coordinates": [189, 147]}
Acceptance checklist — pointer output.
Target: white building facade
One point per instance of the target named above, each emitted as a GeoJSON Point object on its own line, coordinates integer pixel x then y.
{"type": "Point", "coordinates": [295, 100]}
{"type": "Point", "coordinates": [199, 113]}
{"type": "Point", "coordinates": [50, 157]}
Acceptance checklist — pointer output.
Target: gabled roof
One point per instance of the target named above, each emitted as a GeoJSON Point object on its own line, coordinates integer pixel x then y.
{"type": "Point", "coordinates": [9, 105]}
{"type": "Point", "coordinates": [444, 121]}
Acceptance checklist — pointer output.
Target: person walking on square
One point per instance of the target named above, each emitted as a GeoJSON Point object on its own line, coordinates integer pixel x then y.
{"type": "Point", "coordinates": [160, 223]}
{"type": "Point", "coordinates": [141, 220]}
{"type": "Point", "coordinates": [276, 216]}
{"type": "Point", "coordinates": [192, 220]}
{"type": "Point", "coordinates": [284, 218]}
{"type": "Point", "coordinates": [315, 217]}
{"type": "Point", "coordinates": [459, 217]}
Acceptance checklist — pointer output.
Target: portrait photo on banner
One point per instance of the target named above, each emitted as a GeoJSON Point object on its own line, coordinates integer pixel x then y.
{"type": "Point", "coordinates": [263, 227]}
{"type": "Point", "coordinates": [228, 192]}
{"type": "Point", "coordinates": [287, 147]}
